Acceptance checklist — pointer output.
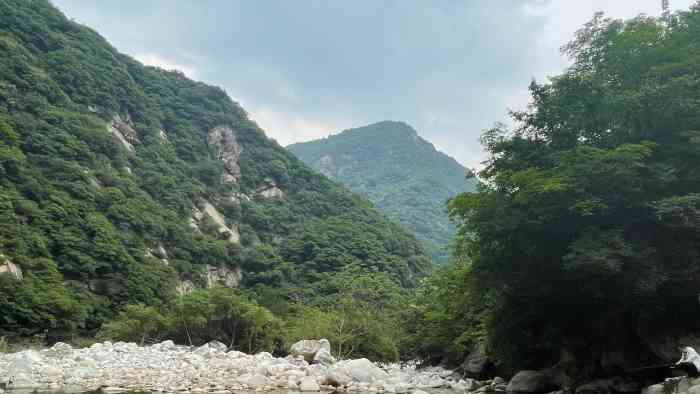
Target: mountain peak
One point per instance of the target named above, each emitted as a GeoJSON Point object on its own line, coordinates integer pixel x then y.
{"type": "Point", "coordinates": [385, 127]}
{"type": "Point", "coordinates": [403, 174]}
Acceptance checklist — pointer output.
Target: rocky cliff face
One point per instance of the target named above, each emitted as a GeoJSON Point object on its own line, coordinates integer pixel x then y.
{"type": "Point", "coordinates": [124, 131]}
{"type": "Point", "coordinates": [223, 142]}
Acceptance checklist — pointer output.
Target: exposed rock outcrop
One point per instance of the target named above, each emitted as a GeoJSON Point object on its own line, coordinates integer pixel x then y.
{"type": "Point", "coordinates": [223, 276]}
{"type": "Point", "coordinates": [225, 231]}
{"type": "Point", "coordinates": [222, 140]}
{"type": "Point", "coordinates": [7, 267]}
{"type": "Point", "coordinates": [213, 276]}
{"type": "Point", "coordinates": [238, 197]}
{"type": "Point", "coordinates": [184, 287]}
{"type": "Point", "coordinates": [229, 232]}
{"type": "Point", "coordinates": [270, 190]}
{"type": "Point", "coordinates": [123, 129]}
{"type": "Point", "coordinates": [158, 252]}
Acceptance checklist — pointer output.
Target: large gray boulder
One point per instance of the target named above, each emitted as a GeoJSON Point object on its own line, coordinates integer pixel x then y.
{"type": "Point", "coordinates": [309, 347]}
{"type": "Point", "coordinates": [337, 377]}
{"type": "Point", "coordinates": [323, 357]}
{"type": "Point", "coordinates": [476, 363]}
{"type": "Point", "coordinates": [361, 370]}
{"type": "Point", "coordinates": [532, 382]}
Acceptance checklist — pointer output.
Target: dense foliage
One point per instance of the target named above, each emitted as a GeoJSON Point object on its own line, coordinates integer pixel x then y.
{"type": "Point", "coordinates": [81, 214]}
{"type": "Point", "coordinates": [401, 173]}
{"type": "Point", "coordinates": [218, 313]}
{"type": "Point", "coordinates": [585, 235]}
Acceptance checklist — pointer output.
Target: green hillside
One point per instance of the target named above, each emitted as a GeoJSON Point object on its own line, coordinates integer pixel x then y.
{"type": "Point", "coordinates": [401, 173]}
{"type": "Point", "coordinates": [124, 184]}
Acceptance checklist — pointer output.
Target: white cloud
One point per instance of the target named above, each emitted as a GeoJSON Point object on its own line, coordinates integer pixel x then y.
{"type": "Point", "coordinates": [153, 59]}
{"type": "Point", "coordinates": [307, 69]}
{"type": "Point", "coordinates": [287, 128]}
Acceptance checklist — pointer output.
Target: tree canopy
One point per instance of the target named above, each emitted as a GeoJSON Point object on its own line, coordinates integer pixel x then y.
{"type": "Point", "coordinates": [584, 229]}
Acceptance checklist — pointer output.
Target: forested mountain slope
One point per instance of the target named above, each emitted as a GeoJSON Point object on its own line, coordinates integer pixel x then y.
{"type": "Point", "coordinates": [400, 172]}
{"type": "Point", "coordinates": [124, 184]}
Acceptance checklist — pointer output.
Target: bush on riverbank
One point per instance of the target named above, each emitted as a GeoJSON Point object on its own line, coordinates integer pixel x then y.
{"type": "Point", "coordinates": [202, 316]}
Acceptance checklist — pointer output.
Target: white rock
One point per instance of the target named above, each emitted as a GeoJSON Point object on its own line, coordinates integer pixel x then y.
{"type": "Point", "coordinates": [22, 380]}
{"type": "Point", "coordinates": [309, 383]}
{"type": "Point", "coordinates": [337, 377]}
{"type": "Point", "coordinates": [324, 357]}
{"type": "Point", "coordinates": [53, 372]}
{"type": "Point", "coordinates": [361, 370]}
{"type": "Point", "coordinates": [309, 347]}
{"type": "Point", "coordinates": [254, 381]}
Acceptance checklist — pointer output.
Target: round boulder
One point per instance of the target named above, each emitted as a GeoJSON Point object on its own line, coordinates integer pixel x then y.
{"type": "Point", "coordinates": [531, 382]}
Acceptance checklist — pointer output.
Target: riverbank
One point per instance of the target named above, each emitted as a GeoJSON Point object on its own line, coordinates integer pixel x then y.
{"type": "Point", "coordinates": [166, 367]}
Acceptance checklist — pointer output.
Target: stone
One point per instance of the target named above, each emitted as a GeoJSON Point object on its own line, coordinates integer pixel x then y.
{"type": "Point", "coordinates": [476, 363]}
{"type": "Point", "coordinates": [362, 370]}
{"type": "Point", "coordinates": [308, 348]}
{"type": "Point", "coordinates": [21, 381]}
{"type": "Point", "coordinates": [9, 268]}
{"type": "Point", "coordinates": [165, 346]}
{"type": "Point", "coordinates": [654, 389]}
{"type": "Point", "coordinates": [337, 378]}
{"type": "Point", "coordinates": [309, 383]}
{"type": "Point", "coordinates": [255, 381]}
{"type": "Point", "coordinates": [123, 130]}
{"type": "Point", "coordinates": [228, 232]}
{"type": "Point", "coordinates": [531, 382]}
{"type": "Point", "coordinates": [113, 389]}
{"type": "Point", "coordinates": [223, 276]}
{"type": "Point", "coordinates": [217, 346]}
{"type": "Point", "coordinates": [271, 190]}
{"type": "Point", "coordinates": [184, 287]}
{"type": "Point", "coordinates": [222, 140]}
{"type": "Point", "coordinates": [323, 357]}
{"type": "Point", "coordinates": [52, 372]}
{"type": "Point", "coordinates": [417, 391]}
{"type": "Point", "coordinates": [690, 358]}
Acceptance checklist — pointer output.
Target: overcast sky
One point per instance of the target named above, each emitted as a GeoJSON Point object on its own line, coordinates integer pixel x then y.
{"type": "Point", "coordinates": [306, 68]}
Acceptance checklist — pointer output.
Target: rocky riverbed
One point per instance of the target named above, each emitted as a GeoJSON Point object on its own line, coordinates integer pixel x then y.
{"type": "Point", "coordinates": [166, 367]}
